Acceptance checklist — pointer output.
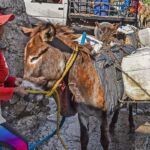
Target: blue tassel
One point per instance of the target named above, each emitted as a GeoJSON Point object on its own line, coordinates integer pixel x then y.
{"type": "Point", "coordinates": [83, 38]}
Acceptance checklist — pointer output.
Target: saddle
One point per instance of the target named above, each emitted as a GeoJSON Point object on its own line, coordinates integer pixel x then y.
{"type": "Point", "coordinates": [110, 76]}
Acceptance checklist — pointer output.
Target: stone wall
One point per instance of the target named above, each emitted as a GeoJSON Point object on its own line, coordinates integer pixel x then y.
{"type": "Point", "coordinates": [14, 40]}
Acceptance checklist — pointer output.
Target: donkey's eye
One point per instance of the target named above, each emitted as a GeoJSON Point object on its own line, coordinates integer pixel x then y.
{"type": "Point", "coordinates": [114, 35]}
{"type": "Point", "coordinates": [100, 32]}
{"type": "Point", "coordinates": [49, 34]}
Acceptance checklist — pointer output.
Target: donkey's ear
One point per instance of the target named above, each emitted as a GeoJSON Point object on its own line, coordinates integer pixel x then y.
{"type": "Point", "coordinates": [97, 24]}
{"type": "Point", "coordinates": [116, 25]}
{"type": "Point", "coordinates": [26, 30]}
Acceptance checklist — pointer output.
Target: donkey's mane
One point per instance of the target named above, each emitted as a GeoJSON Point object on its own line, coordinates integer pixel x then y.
{"type": "Point", "coordinates": [68, 35]}
{"type": "Point", "coordinates": [42, 26]}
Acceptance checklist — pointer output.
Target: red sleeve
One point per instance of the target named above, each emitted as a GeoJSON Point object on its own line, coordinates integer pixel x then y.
{"type": "Point", "coordinates": [6, 93]}
{"type": "Point", "coordinates": [10, 82]}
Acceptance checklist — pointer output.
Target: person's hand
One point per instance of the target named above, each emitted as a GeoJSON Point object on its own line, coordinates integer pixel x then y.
{"type": "Point", "coordinates": [20, 91]}
{"type": "Point", "coordinates": [18, 81]}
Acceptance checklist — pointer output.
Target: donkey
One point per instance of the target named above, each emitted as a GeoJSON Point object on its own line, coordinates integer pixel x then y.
{"type": "Point", "coordinates": [143, 14]}
{"type": "Point", "coordinates": [103, 33]}
{"type": "Point", "coordinates": [46, 59]}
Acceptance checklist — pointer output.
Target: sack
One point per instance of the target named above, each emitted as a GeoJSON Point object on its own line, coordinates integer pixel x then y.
{"type": "Point", "coordinates": [137, 78]}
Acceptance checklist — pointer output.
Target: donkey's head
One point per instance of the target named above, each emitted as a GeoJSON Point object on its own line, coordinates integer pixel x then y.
{"type": "Point", "coordinates": [103, 31]}
{"type": "Point", "coordinates": [42, 61]}
{"type": "Point", "coordinates": [40, 36]}
{"type": "Point", "coordinates": [108, 34]}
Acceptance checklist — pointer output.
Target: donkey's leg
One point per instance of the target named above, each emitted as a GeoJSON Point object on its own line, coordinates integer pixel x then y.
{"type": "Point", "coordinates": [104, 132]}
{"type": "Point", "coordinates": [131, 120]}
{"type": "Point", "coordinates": [113, 121]}
{"type": "Point", "coordinates": [84, 137]}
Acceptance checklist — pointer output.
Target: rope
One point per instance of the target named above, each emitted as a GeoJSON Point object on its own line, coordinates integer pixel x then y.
{"type": "Point", "coordinates": [38, 143]}
{"type": "Point", "coordinates": [56, 95]}
{"type": "Point", "coordinates": [68, 66]}
{"type": "Point", "coordinates": [54, 92]}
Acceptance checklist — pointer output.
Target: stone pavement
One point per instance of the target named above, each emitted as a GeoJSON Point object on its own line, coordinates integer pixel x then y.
{"type": "Point", "coordinates": [70, 132]}
{"type": "Point", "coordinates": [38, 125]}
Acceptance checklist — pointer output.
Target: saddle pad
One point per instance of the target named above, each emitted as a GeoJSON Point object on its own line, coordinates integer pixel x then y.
{"type": "Point", "coordinates": [110, 79]}
{"type": "Point", "coordinates": [110, 76]}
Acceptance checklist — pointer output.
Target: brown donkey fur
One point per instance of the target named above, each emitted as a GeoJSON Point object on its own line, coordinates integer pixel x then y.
{"type": "Point", "coordinates": [84, 82]}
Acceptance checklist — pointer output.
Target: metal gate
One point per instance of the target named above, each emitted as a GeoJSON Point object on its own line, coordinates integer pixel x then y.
{"type": "Point", "coordinates": [104, 10]}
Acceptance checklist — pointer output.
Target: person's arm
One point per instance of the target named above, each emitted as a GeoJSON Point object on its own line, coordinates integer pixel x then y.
{"type": "Point", "coordinates": [6, 93]}
{"type": "Point", "coordinates": [10, 82]}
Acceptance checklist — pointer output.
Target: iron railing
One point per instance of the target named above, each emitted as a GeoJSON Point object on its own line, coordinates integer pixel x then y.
{"type": "Point", "coordinates": [104, 10]}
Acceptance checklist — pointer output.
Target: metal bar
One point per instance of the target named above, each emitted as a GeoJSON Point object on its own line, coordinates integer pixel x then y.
{"type": "Point", "coordinates": [136, 24]}
{"type": "Point", "coordinates": [106, 18]}
{"type": "Point", "coordinates": [138, 102]}
{"type": "Point", "coordinates": [115, 14]}
{"type": "Point", "coordinates": [86, 7]}
{"type": "Point", "coordinates": [79, 6]}
{"type": "Point", "coordinates": [92, 3]}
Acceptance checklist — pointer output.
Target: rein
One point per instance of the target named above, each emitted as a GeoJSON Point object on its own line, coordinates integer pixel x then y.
{"type": "Point", "coordinates": [55, 94]}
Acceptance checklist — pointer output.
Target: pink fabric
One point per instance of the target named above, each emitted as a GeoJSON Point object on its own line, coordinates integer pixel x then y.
{"type": "Point", "coordinates": [5, 18]}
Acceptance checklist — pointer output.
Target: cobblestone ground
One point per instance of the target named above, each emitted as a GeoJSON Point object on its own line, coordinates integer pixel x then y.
{"type": "Point", "coordinates": [122, 140]}
{"type": "Point", "coordinates": [70, 131]}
